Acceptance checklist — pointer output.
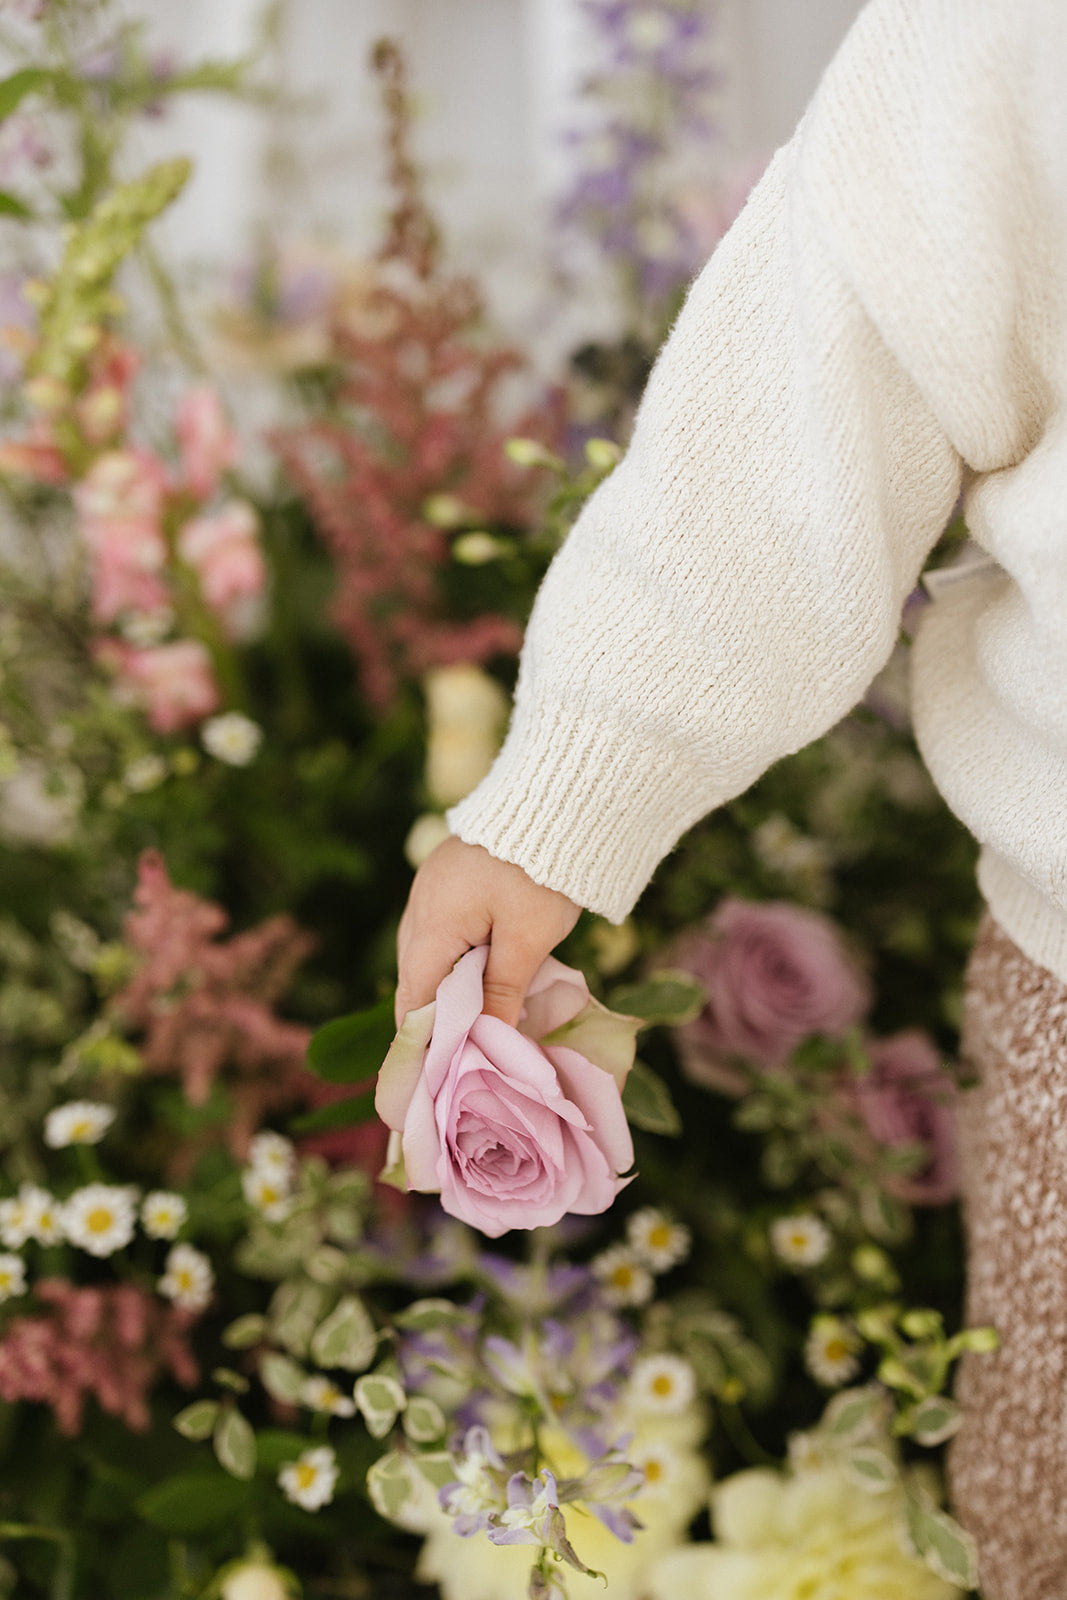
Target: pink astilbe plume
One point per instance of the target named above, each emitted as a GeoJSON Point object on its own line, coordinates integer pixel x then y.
{"type": "Point", "coordinates": [204, 1004]}
{"type": "Point", "coordinates": [420, 398]}
{"type": "Point", "coordinates": [110, 1344]}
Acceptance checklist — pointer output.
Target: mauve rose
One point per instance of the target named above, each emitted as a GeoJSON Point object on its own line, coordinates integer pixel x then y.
{"type": "Point", "coordinates": [514, 1127]}
{"type": "Point", "coordinates": [909, 1098]}
{"type": "Point", "coordinates": [775, 975]}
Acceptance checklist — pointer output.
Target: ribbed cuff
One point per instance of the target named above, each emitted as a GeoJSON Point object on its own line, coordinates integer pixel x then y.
{"type": "Point", "coordinates": [1028, 916]}
{"type": "Point", "coordinates": [582, 807]}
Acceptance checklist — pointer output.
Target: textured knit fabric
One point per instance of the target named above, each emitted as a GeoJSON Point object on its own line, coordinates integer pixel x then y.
{"type": "Point", "coordinates": [883, 325]}
{"type": "Point", "coordinates": [1008, 1463]}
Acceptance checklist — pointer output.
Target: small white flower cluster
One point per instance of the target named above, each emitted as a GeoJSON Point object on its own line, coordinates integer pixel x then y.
{"type": "Point", "coordinates": [267, 1180]}
{"type": "Point", "coordinates": [654, 1244]}
{"type": "Point", "coordinates": [99, 1218]}
{"type": "Point", "coordinates": [32, 1214]}
{"type": "Point", "coordinates": [310, 1480]}
{"type": "Point", "coordinates": [832, 1350]}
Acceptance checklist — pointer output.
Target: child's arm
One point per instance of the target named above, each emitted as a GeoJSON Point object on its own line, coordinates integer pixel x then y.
{"type": "Point", "coordinates": [879, 318]}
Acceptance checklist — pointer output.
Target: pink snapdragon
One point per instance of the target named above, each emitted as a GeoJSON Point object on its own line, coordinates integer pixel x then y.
{"type": "Point", "coordinates": [120, 508]}
{"type": "Point", "coordinates": [208, 443]}
{"type": "Point", "coordinates": [224, 551]}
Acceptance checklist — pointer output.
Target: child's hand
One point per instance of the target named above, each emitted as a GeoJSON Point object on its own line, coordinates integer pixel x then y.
{"type": "Point", "coordinates": [462, 897]}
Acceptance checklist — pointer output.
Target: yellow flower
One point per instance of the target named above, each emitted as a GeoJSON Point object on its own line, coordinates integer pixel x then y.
{"type": "Point", "coordinates": [812, 1536]}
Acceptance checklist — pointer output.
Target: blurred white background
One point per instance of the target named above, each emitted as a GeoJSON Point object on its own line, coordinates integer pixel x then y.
{"type": "Point", "coordinates": [496, 81]}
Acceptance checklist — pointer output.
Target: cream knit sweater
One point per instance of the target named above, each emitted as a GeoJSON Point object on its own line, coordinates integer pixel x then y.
{"type": "Point", "coordinates": [884, 324]}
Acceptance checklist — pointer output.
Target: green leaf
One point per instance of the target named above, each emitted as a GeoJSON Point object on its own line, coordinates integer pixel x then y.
{"type": "Point", "coordinates": [283, 1379]}
{"type": "Point", "coordinates": [348, 1113]}
{"type": "Point", "coordinates": [197, 1420]}
{"type": "Point", "coordinates": [351, 1049]}
{"type": "Point", "coordinates": [942, 1544]}
{"type": "Point", "coordinates": [391, 1483]}
{"type": "Point", "coordinates": [295, 1308]}
{"type": "Point", "coordinates": [235, 1443]}
{"type": "Point", "coordinates": [436, 1466]}
{"type": "Point", "coordinates": [854, 1414]}
{"type": "Point", "coordinates": [347, 1338]}
{"type": "Point", "coordinates": [193, 1502]}
{"type": "Point", "coordinates": [380, 1399]}
{"type": "Point", "coordinates": [648, 1104]}
{"type": "Point", "coordinates": [13, 90]}
{"type": "Point", "coordinates": [424, 1421]}
{"type": "Point", "coordinates": [871, 1468]}
{"type": "Point", "coordinates": [245, 1332]}
{"type": "Point", "coordinates": [423, 1316]}
{"type": "Point", "coordinates": [934, 1420]}
{"type": "Point", "coordinates": [667, 996]}
{"type": "Point", "coordinates": [12, 206]}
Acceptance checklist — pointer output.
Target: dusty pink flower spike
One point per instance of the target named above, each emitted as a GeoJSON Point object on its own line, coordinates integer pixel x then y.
{"type": "Point", "coordinates": [208, 443]}
{"type": "Point", "coordinates": [513, 1127]}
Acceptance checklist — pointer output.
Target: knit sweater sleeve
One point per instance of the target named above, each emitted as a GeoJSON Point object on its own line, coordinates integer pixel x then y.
{"type": "Point", "coordinates": [874, 322]}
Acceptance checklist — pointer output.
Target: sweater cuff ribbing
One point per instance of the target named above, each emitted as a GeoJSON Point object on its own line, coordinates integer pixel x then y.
{"type": "Point", "coordinates": [581, 807]}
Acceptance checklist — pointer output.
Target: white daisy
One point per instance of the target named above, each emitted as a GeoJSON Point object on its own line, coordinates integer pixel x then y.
{"type": "Point", "coordinates": [46, 1215]}
{"type": "Point", "coordinates": [163, 1213]}
{"type": "Point", "coordinates": [310, 1480]}
{"type": "Point", "coordinates": [273, 1154]}
{"type": "Point", "coordinates": [188, 1279]}
{"type": "Point", "coordinates": [659, 1465]}
{"type": "Point", "coordinates": [12, 1277]}
{"type": "Point", "coordinates": [231, 738]}
{"type": "Point", "coordinates": [77, 1122]}
{"type": "Point", "coordinates": [800, 1241]}
{"type": "Point", "coordinates": [832, 1351]}
{"type": "Point", "coordinates": [626, 1281]}
{"type": "Point", "coordinates": [16, 1217]}
{"type": "Point", "coordinates": [663, 1383]}
{"type": "Point", "coordinates": [322, 1395]}
{"type": "Point", "coordinates": [100, 1218]}
{"type": "Point", "coordinates": [267, 1194]}
{"type": "Point", "coordinates": [659, 1242]}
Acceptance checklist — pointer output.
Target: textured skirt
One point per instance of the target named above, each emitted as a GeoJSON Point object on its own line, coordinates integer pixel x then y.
{"type": "Point", "coordinates": [1008, 1463]}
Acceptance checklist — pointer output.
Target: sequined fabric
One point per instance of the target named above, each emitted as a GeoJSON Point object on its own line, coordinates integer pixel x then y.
{"type": "Point", "coordinates": [1008, 1463]}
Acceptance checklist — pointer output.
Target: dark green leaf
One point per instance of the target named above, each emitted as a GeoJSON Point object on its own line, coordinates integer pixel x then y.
{"type": "Point", "coordinates": [279, 1445]}
{"type": "Point", "coordinates": [339, 1114]}
{"type": "Point", "coordinates": [647, 1102]}
{"type": "Point", "coordinates": [192, 1502]}
{"type": "Point", "coordinates": [667, 997]}
{"type": "Point", "coordinates": [351, 1049]}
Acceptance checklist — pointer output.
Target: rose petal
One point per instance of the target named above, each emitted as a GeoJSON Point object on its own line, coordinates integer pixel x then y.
{"type": "Point", "coordinates": [421, 1143]}
{"type": "Point", "coordinates": [607, 1038]}
{"type": "Point", "coordinates": [556, 994]}
{"type": "Point", "coordinates": [596, 1094]}
{"type": "Point", "coordinates": [459, 1004]}
{"type": "Point", "coordinates": [402, 1067]}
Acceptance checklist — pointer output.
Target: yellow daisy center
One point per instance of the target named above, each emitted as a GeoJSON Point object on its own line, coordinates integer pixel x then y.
{"type": "Point", "coordinates": [305, 1475]}
{"type": "Point", "coordinates": [99, 1219]}
{"type": "Point", "coordinates": [623, 1277]}
{"type": "Point", "coordinates": [662, 1385]}
{"type": "Point", "coordinates": [653, 1471]}
{"type": "Point", "coordinates": [659, 1237]}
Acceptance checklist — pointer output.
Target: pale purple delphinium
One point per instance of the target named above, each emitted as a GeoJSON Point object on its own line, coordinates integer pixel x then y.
{"type": "Point", "coordinates": [654, 87]}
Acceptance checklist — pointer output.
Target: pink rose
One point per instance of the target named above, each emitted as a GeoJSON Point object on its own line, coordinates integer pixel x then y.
{"type": "Point", "coordinates": [224, 551]}
{"type": "Point", "coordinates": [208, 443]}
{"type": "Point", "coordinates": [775, 975]}
{"type": "Point", "coordinates": [174, 682]}
{"type": "Point", "coordinates": [909, 1098]}
{"type": "Point", "coordinates": [514, 1127]}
